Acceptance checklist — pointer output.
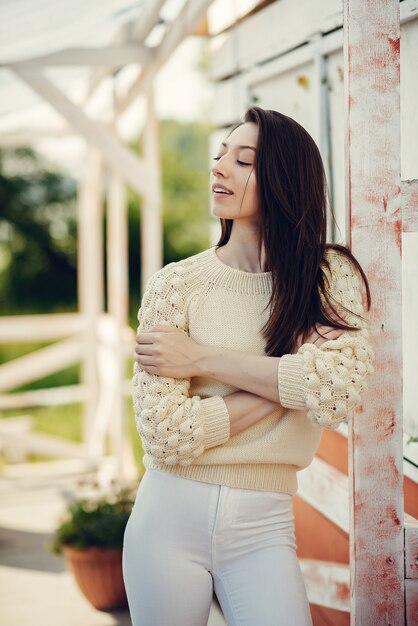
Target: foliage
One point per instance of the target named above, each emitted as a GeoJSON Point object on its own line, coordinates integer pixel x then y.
{"type": "Point", "coordinates": [38, 230]}
{"type": "Point", "coordinates": [37, 235]}
{"type": "Point", "coordinates": [184, 158]}
{"type": "Point", "coordinates": [100, 523]}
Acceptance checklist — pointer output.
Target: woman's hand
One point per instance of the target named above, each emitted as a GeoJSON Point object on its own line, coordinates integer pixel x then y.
{"type": "Point", "coordinates": [167, 351]}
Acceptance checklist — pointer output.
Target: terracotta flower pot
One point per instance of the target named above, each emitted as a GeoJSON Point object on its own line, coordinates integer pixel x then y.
{"type": "Point", "coordinates": [98, 572]}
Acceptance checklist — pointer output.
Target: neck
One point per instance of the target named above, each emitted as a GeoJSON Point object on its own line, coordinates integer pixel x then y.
{"type": "Point", "coordinates": [241, 251]}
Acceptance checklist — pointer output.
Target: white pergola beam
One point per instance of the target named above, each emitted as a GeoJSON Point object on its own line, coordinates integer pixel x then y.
{"type": "Point", "coordinates": [30, 135]}
{"type": "Point", "coordinates": [133, 32]}
{"type": "Point", "coordinates": [183, 25]}
{"type": "Point", "coordinates": [130, 167]}
{"type": "Point", "coordinates": [149, 18]}
{"type": "Point", "coordinates": [111, 56]}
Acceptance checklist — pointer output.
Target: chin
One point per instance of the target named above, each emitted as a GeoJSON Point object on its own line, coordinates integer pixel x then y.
{"type": "Point", "coordinates": [219, 211]}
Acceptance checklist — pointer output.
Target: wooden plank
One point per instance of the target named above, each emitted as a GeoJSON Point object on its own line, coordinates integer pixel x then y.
{"type": "Point", "coordinates": [55, 396]}
{"type": "Point", "coordinates": [411, 602]}
{"type": "Point", "coordinates": [19, 445]}
{"type": "Point", "coordinates": [223, 14]}
{"type": "Point", "coordinates": [48, 470]}
{"type": "Point", "coordinates": [118, 297]}
{"type": "Point", "coordinates": [325, 489]}
{"type": "Point", "coordinates": [16, 328]}
{"type": "Point", "coordinates": [411, 547]}
{"type": "Point", "coordinates": [24, 138]}
{"type": "Point", "coordinates": [372, 126]}
{"type": "Point", "coordinates": [130, 167]}
{"type": "Point", "coordinates": [90, 288]}
{"type": "Point", "coordinates": [112, 56]}
{"type": "Point", "coordinates": [40, 363]}
{"type": "Point", "coordinates": [327, 584]}
{"type": "Point", "coordinates": [409, 190]}
{"type": "Point", "coordinates": [18, 424]}
{"type": "Point", "coordinates": [230, 101]}
{"type": "Point", "coordinates": [294, 23]}
{"type": "Point", "coordinates": [184, 24]}
{"type": "Point", "coordinates": [136, 31]}
{"type": "Point", "coordinates": [151, 214]}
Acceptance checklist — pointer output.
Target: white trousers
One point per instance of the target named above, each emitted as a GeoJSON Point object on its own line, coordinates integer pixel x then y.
{"type": "Point", "coordinates": [186, 539]}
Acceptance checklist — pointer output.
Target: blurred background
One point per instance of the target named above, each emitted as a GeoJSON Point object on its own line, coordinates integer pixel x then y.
{"type": "Point", "coordinates": [109, 115]}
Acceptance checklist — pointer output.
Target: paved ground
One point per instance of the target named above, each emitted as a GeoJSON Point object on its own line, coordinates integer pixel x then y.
{"type": "Point", "coordinates": [35, 587]}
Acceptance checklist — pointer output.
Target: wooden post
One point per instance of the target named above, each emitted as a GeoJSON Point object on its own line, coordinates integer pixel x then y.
{"type": "Point", "coordinates": [90, 278]}
{"type": "Point", "coordinates": [118, 297]}
{"type": "Point", "coordinates": [372, 126]}
{"type": "Point", "coordinates": [151, 218]}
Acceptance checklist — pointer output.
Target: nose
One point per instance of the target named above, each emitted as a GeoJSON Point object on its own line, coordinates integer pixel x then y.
{"type": "Point", "coordinates": [221, 167]}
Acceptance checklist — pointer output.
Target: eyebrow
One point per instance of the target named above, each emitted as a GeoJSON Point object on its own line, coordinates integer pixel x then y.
{"type": "Point", "coordinates": [225, 145]}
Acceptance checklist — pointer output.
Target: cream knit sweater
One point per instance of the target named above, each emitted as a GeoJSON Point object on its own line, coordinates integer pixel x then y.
{"type": "Point", "coordinates": [184, 424]}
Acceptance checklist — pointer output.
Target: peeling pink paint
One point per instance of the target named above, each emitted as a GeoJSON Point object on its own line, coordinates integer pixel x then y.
{"type": "Point", "coordinates": [342, 592]}
{"type": "Point", "coordinates": [398, 233]}
{"type": "Point", "coordinates": [395, 44]}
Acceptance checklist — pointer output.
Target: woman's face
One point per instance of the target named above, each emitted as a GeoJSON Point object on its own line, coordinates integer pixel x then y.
{"type": "Point", "coordinates": [233, 180]}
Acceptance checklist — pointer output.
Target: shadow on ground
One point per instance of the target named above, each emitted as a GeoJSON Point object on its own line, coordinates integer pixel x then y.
{"type": "Point", "coordinates": [28, 550]}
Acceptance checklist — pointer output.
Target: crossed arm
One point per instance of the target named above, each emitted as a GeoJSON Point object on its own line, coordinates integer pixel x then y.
{"type": "Point", "coordinates": [325, 376]}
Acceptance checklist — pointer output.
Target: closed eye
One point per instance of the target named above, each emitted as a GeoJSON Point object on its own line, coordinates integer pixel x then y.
{"type": "Point", "coordinates": [238, 161]}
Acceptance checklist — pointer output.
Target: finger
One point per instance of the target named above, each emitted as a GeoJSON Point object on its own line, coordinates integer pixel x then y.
{"type": "Point", "coordinates": [143, 348]}
{"type": "Point", "coordinates": [145, 336]}
{"type": "Point", "coordinates": [163, 329]}
{"type": "Point", "coordinates": [146, 361]}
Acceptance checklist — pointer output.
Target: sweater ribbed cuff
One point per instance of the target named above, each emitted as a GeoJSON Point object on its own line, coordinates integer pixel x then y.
{"type": "Point", "coordinates": [291, 381]}
{"type": "Point", "coordinates": [216, 421]}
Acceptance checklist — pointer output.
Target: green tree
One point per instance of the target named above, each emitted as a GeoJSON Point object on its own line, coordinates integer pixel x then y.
{"type": "Point", "coordinates": [38, 230]}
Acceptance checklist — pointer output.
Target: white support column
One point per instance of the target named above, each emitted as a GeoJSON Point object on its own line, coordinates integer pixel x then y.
{"type": "Point", "coordinates": [118, 298]}
{"type": "Point", "coordinates": [90, 278]}
{"type": "Point", "coordinates": [372, 126]}
{"type": "Point", "coordinates": [151, 218]}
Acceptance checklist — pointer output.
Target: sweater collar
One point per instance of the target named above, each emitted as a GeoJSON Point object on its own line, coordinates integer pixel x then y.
{"type": "Point", "coordinates": [218, 272]}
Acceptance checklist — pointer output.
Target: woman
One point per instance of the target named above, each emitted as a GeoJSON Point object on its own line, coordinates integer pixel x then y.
{"type": "Point", "coordinates": [245, 353]}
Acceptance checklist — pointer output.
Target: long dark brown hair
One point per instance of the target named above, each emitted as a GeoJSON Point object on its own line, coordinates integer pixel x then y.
{"type": "Point", "coordinates": [292, 193]}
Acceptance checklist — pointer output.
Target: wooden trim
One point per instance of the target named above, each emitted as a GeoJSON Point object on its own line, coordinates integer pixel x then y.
{"type": "Point", "coordinates": [40, 363]}
{"type": "Point", "coordinates": [111, 56]}
{"type": "Point", "coordinates": [16, 328]}
{"type": "Point", "coordinates": [411, 547]}
{"type": "Point", "coordinates": [411, 602]}
{"type": "Point", "coordinates": [327, 584]}
{"type": "Point", "coordinates": [409, 191]}
{"type": "Point", "coordinates": [325, 489]}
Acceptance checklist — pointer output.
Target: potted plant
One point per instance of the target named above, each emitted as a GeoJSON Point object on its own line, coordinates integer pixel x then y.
{"type": "Point", "coordinates": [90, 535]}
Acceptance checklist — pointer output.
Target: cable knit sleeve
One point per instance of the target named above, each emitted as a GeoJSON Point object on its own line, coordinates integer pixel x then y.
{"type": "Point", "coordinates": [329, 379]}
{"type": "Point", "coordinates": [174, 428]}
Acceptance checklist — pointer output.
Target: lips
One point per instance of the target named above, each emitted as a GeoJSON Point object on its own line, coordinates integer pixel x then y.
{"type": "Point", "coordinates": [221, 190]}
